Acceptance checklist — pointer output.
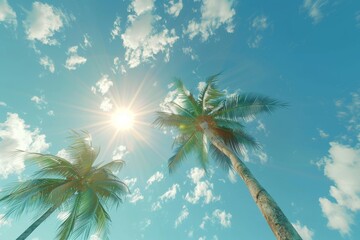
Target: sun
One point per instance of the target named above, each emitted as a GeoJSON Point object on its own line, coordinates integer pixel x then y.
{"type": "Point", "coordinates": [123, 119]}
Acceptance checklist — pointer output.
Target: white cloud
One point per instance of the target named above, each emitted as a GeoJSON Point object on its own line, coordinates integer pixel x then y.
{"type": "Point", "coordinates": [313, 7]}
{"type": "Point", "coordinates": [142, 6]}
{"type": "Point", "coordinates": [42, 22]}
{"type": "Point", "coordinates": [63, 153]}
{"type": "Point", "coordinates": [218, 216]}
{"type": "Point", "coordinates": [86, 42]}
{"type": "Point", "coordinates": [104, 84]}
{"type": "Point", "coordinates": [115, 32]}
{"type": "Point", "coordinates": [342, 166]}
{"type": "Point", "coordinates": [120, 152]}
{"type": "Point", "coordinates": [145, 224]}
{"type": "Point", "coordinates": [323, 134]}
{"type": "Point", "coordinates": [142, 42]}
{"type": "Point", "coordinates": [106, 104]}
{"type": "Point", "coordinates": [260, 23]}
{"type": "Point", "coordinates": [51, 113]}
{"type": "Point", "coordinates": [174, 8]}
{"type": "Point", "coordinates": [15, 134]}
{"type": "Point", "coordinates": [47, 63]}
{"type": "Point", "coordinates": [130, 182]}
{"type": "Point", "coordinates": [156, 206]}
{"type": "Point", "coordinates": [202, 190]}
{"type": "Point", "coordinates": [3, 104]}
{"type": "Point", "coordinates": [232, 176]}
{"type": "Point", "coordinates": [304, 231]}
{"type": "Point", "coordinates": [74, 60]}
{"type": "Point", "coordinates": [214, 14]}
{"type": "Point", "coordinates": [7, 14]}
{"type": "Point", "coordinates": [183, 215]}
{"type": "Point", "coordinates": [170, 193]}
{"type": "Point", "coordinates": [39, 101]}
{"type": "Point", "coordinates": [135, 196]}
{"type": "Point", "coordinates": [157, 177]}
{"type": "Point", "coordinates": [189, 51]}
{"type": "Point", "coordinates": [118, 66]}
{"type": "Point", "coordinates": [254, 42]}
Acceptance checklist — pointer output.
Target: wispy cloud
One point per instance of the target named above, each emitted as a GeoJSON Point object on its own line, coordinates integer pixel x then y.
{"type": "Point", "coordinates": [74, 60]}
{"type": "Point", "coordinates": [174, 8]}
{"type": "Point", "coordinates": [218, 216]}
{"type": "Point", "coordinates": [47, 63]}
{"type": "Point", "coordinates": [341, 166]}
{"type": "Point", "coordinates": [120, 152]}
{"type": "Point", "coordinates": [313, 8]}
{"type": "Point", "coordinates": [7, 14]}
{"type": "Point", "coordinates": [115, 32]}
{"type": "Point", "coordinates": [42, 22]}
{"type": "Point", "coordinates": [143, 41]}
{"type": "Point", "coordinates": [304, 231]}
{"type": "Point", "coordinates": [16, 134]}
{"type": "Point", "coordinates": [214, 14]}
{"type": "Point", "coordinates": [40, 102]}
{"type": "Point", "coordinates": [183, 215]}
{"type": "Point", "coordinates": [157, 177]}
{"type": "Point", "coordinates": [135, 194]}
{"type": "Point", "coordinates": [202, 190]}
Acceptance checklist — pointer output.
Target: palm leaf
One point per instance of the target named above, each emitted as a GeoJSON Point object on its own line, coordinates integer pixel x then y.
{"type": "Point", "coordinates": [209, 97]}
{"type": "Point", "coordinates": [187, 98]}
{"type": "Point", "coordinates": [245, 106]}
{"type": "Point", "coordinates": [82, 151]}
{"type": "Point", "coordinates": [165, 120]}
{"type": "Point", "coordinates": [181, 152]}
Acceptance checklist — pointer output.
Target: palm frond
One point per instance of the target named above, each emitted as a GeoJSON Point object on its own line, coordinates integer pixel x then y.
{"type": "Point", "coordinates": [66, 227]}
{"type": "Point", "coordinates": [187, 98]}
{"type": "Point", "coordinates": [237, 141]}
{"type": "Point", "coordinates": [182, 151]}
{"type": "Point", "coordinates": [82, 151]}
{"type": "Point", "coordinates": [228, 124]}
{"type": "Point", "coordinates": [50, 165]}
{"type": "Point", "coordinates": [113, 166]}
{"type": "Point", "coordinates": [170, 120]}
{"type": "Point", "coordinates": [30, 195]}
{"type": "Point", "coordinates": [220, 158]}
{"type": "Point", "coordinates": [245, 106]}
{"type": "Point", "coordinates": [202, 150]}
{"type": "Point", "coordinates": [209, 96]}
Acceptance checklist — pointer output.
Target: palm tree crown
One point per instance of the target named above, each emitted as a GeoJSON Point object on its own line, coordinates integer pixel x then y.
{"type": "Point", "coordinates": [212, 123]}
{"type": "Point", "coordinates": [221, 112]}
{"type": "Point", "coordinates": [76, 185]}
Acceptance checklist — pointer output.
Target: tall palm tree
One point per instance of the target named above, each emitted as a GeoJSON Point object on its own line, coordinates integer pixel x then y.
{"type": "Point", "coordinates": [212, 122]}
{"type": "Point", "coordinates": [74, 184]}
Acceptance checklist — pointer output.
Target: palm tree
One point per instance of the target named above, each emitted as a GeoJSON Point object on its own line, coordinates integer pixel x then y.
{"type": "Point", "coordinates": [74, 184]}
{"type": "Point", "coordinates": [212, 123]}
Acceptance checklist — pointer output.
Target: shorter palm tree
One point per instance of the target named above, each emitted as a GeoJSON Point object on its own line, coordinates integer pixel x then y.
{"type": "Point", "coordinates": [75, 185]}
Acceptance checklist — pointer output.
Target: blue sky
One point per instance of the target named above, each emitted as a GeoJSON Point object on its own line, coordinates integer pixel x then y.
{"type": "Point", "coordinates": [70, 64]}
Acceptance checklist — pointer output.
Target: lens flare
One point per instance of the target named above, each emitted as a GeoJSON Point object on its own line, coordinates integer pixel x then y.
{"type": "Point", "coordinates": [123, 119]}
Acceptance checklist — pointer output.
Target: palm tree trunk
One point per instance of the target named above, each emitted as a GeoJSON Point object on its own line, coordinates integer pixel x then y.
{"type": "Point", "coordinates": [33, 226]}
{"type": "Point", "coordinates": [278, 222]}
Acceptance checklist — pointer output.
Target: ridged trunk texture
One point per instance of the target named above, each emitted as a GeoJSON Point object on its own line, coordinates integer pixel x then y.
{"type": "Point", "coordinates": [33, 226]}
{"type": "Point", "coordinates": [278, 222]}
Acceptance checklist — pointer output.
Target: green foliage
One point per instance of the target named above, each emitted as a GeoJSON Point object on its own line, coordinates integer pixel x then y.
{"type": "Point", "coordinates": [224, 114]}
{"type": "Point", "coordinates": [77, 185]}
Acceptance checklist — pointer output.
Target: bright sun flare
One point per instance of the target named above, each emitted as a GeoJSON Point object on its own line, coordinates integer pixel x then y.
{"type": "Point", "coordinates": [123, 119]}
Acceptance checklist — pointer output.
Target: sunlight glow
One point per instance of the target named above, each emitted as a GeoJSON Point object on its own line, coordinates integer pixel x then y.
{"type": "Point", "coordinates": [123, 119]}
